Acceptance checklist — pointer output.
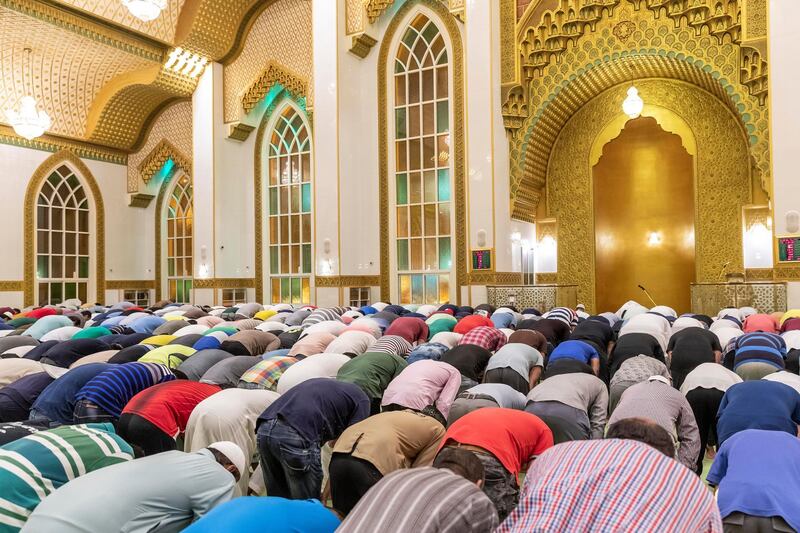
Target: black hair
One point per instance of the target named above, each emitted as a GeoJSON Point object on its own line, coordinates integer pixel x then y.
{"type": "Point", "coordinates": [643, 430]}
{"type": "Point", "coordinates": [462, 462]}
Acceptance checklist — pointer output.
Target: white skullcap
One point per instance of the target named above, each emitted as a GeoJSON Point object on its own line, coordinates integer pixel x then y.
{"type": "Point", "coordinates": [234, 454]}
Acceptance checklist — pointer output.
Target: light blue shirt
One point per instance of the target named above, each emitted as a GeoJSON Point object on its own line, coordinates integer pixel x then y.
{"type": "Point", "coordinates": [521, 358]}
{"type": "Point", "coordinates": [166, 492]}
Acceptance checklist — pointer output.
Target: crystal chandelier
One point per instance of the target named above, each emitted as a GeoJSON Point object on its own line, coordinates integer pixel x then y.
{"type": "Point", "coordinates": [145, 10]}
{"type": "Point", "coordinates": [28, 122]}
{"type": "Point", "coordinates": [633, 104]}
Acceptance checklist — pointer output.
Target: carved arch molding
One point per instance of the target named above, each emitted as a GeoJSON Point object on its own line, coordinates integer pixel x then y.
{"type": "Point", "coordinates": [560, 54]}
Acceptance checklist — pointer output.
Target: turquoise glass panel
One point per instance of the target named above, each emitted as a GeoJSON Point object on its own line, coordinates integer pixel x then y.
{"type": "Point", "coordinates": [444, 185]}
{"type": "Point", "coordinates": [445, 254]}
{"type": "Point", "coordinates": [42, 268]}
{"type": "Point", "coordinates": [402, 189]}
{"type": "Point", "coordinates": [285, 289]}
{"type": "Point", "coordinates": [402, 254]}
{"type": "Point", "coordinates": [296, 290]}
{"type": "Point", "coordinates": [417, 291]}
{"type": "Point", "coordinates": [273, 200]}
{"type": "Point", "coordinates": [442, 117]}
{"type": "Point", "coordinates": [400, 130]}
{"type": "Point", "coordinates": [274, 259]}
{"type": "Point", "coordinates": [306, 198]}
{"type": "Point", "coordinates": [431, 288]}
{"type": "Point", "coordinates": [307, 259]}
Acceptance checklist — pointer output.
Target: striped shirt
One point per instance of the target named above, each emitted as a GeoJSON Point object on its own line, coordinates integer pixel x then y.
{"type": "Point", "coordinates": [392, 344]}
{"type": "Point", "coordinates": [266, 373]}
{"type": "Point", "coordinates": [611, 485]}
{"type": "Point", "coordinates": [34, 466]}
{"type": "Point", "coordinates": [422, 500]}
{"type": "Point", "coordinates": [112, 389]}
{"type": "Point", "coordinates": [667, 407]}
{"type": "Point", "coordinates": [760, 348]}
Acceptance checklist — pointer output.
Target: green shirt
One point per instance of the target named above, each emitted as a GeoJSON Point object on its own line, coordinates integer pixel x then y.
{"type": "Point", "coordinates": [372, 371]}
{"type": "Point", "coordinates": [34, 466]}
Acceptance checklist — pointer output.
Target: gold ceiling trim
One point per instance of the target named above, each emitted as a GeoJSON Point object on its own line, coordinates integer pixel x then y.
{"type": "Point", "coordinates": [274, 74]}
{"type": "Point", "coordinates": [457, 136]}
{"type": "Point", "coordinates": [361, 13]}
{"type": "Point", "coordinates": [129, 284]}
{"type": "Point", "coordinates": [159, 155]}
{"type": "Point", "coordinates": [101, 32]}
{"type": "Point", "coordinates": [246, 26]}
{"type": "Point", "coordinates": [333, 282]}
{"type": "Point", "coordinates": [54, 143]}
{"type": "Point", "coordinates": [722, 180]}
{"type": "Point", "coordinates": [212, 28]}
{"type": "Point", "coordinates": [31, 194]}
{"type": "Point", "coordinates": [121, 115]}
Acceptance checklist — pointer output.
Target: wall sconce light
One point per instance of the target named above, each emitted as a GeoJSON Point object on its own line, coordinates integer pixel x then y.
{"type": "Point", "coordinates": [633, 104]}
{"type": "Point", "coordinates": [654, 238]}
{"type": "Point", "coordinates": [481, 241]}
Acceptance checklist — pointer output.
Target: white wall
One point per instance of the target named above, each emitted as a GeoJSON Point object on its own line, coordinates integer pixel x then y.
{"type": "Point", "coordinates": [784, 76]}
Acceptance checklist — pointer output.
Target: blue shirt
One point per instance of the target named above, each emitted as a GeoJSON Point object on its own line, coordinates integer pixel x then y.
{"type": "Point", "coordinates": [758, 404]}
{"type": "Point", "coordinates": [760, 348]}
{"type": "Point", "coordinates": [112, 389]}
{"type": "Point", "coordinates": [579, 350]}
{"type": "Point", "coordinates": [57, 401]}
{"type": "Point", "coordinates": [758, 473]}
{"type": "Point", "coordinates": [278, 515]}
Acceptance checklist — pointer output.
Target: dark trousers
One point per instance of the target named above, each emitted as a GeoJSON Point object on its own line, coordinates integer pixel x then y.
{"type": "Point", "coordinates": [743, 523]}
{"type": "Point", "coordinates": [86, 412]}
{"type": "Point", "coordinates": [350, 479]}
{"type": "Point", "coordinates": [292, 466]}
{"type": "Point", "coordinates": [705, 404]}
{"type": "Point", "coordinates": [374, 406]}
{"type": "Point", "coordinates": [138, 431]}
{"type": "Point", "coordinates": [508, 376]}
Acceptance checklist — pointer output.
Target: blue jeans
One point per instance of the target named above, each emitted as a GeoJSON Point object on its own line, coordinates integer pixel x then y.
{"type": "Point", "coordinates": [292, 466]}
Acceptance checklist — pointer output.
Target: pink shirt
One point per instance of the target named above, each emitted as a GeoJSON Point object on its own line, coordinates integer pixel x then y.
{"type": "Point", "coordinates": [424, 383]}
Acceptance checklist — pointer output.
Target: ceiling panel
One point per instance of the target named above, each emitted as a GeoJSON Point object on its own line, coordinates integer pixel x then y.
{"type": "Point", "coordinates": [162, 28]}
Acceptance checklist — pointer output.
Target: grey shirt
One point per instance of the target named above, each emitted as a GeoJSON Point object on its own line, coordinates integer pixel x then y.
{"type": "Point", "coordinates": [521, 358]}
{"type": "Point", "coordinates": [504, 395]}
{"type": "Point", "coordinates": [227, 372]}
{"type": "Point", "coordinates": [638, 369]}
{"type": "Point", "coordinates": [163, 492]}
{"type": "Point", "coordinates": [580, 391]}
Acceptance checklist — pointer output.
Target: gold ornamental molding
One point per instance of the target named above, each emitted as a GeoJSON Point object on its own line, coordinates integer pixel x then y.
{"type": "Point", "coordinates": [225, 283]}
{"type": "Point", "coordinates": [457, 138]}
{"type": "Point", "coordinates": [560, 62]}
{"type": "Point", "coordinates": [759, 274]}
{"type": "Point", "coordinates": [140, 284]}
{"type": "Point", "coordinates": [12, 286]}
{"type": "Point", "coordinates": [362, 45]}
{"type": "Point", "coordinates": [29, 236]}
{"type": "Point", "coordinates": [346, 281]}
{"type": "Point", "coordinates": [155, 160]}
{"type": "Point", "coordinates": [547, 278]}
{"type": "Point", "coordinates": [54, 143]}
{"type": "Point", "coordinates": [272, 75]}
{"type": "Point", "coordinates": [359, 14]}
{"type": "Point", "coordinates": [495, 278]}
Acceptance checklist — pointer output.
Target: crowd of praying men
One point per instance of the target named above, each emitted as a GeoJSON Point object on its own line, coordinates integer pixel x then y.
{"type": "Point", "coordinates": [412, 418]}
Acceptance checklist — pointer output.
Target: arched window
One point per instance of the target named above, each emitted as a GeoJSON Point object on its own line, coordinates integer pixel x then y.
{"type": "Point", "coordinates": [290, 208]}
{"type": "Point", "coordinates": [422, 165]}
{"type": "Point", "coordinates": [180, 222]}
{"type": "Point", "coordinates": [62, 238]}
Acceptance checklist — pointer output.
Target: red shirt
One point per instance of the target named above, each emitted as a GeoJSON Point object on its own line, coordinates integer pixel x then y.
{"type": "Point", "coordinates": [471, 322]}
{"type": "Point", "coordinates": [42, 312]}
{"type": "Point", "coordinates": [514, 437]}
{"type": "Point", "coordinates": [168, 405]}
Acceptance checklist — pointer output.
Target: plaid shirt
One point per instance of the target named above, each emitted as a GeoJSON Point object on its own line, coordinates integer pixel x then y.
{"type": "Point", "coordinates": [611, 485]}
{"type": "Point", "coordinates": [267, 372]}
{"type": "Point", "coordinates": [491, 339]}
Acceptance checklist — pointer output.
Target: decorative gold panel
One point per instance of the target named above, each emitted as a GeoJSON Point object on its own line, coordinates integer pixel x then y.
{"type": "Point", "coordinates": [69, 68]}
{"type": "Point", "coordinates": [31, 193]}
{"type": "Point", "coordinates": [494, 278]}
{"type": "Point", "coordinates": [347, 281]}
{"type": "Point", "coordinates": [52, 143]}
{"type": "Point", "coordinates": [224, 283]}
{"type": "Point", "coordinates": [542, 298]}
{"type": "Point", "coordinates": [173, 124]}
{"type": "Point", "coordinates": [281, 35]}
{"type": "Point", "coordinates": [562, 60]}
{"type": "Point", "coordinates": [119, 285]}
{"type": "Point", "coordinates": [159, 156]}
{"type": "Point", "coordinates": [457, 136]}
{"type": "Point", "coordinates": [162, 28]}
{"type": "Point", "coordinates": [722, 180]}
{"type": "Point", "coordinates": [359, 13]}
{"type": "Point", "coordinates": [272, 75]}
{"type": "Point", "coordinates": [709, 298]}
{"type": "Point", "coordinates": [12, 286]}
{"type": "Point", "coordinates": [214, 28]}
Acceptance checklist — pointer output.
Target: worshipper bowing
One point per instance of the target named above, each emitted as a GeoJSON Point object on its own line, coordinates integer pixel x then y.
{"type": "Point", "coordinates": [372, 371]}
{"type": "Point", "coordinates": [633, 371]}
{"type": "Point", "coordinates": [505, 441]}
{"type": "Point", "coordinates": [248, 515]}
{"type": "Point", "coordinates": [32, 468]}
{"type": "Point", "coordinates": [486, 395]}
{"type": "Point", "coordinates": [637, 491]}
{"type": "Point", "coordinates": [425, 386]}
{"type": "Point", "coordinates": [756, 472]}
{"type": "Point", "coordinates": [689, 348]}
{"type": "Point", "coordinates": [656, 400]}
{"type": "Point", "coordinates": [376, 447]}
{"type": "Point", "coordinates": [445, 497]}
{"type": "Point", "coordinates": [574, 405]}
{"type": "Point", "coordinates": [758, 404]}
{"type": "Point", "coordinates": [516, 365]}
{"type": "Point", "coordinates": [153, 419]}
{"type": "Point", "coordinates": [163, 492]}
{"type": "Point", "coordinates": [294, 427]}
{"type": "Point", "coordinates": [576, 350]}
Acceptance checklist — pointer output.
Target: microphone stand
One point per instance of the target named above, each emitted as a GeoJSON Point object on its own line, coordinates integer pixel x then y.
{"type": "Point", "coordinates": [648, 296]}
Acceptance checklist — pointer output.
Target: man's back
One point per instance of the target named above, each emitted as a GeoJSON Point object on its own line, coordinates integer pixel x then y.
{"type": "Point", "coordinates": [758, 404]}
{"type": "Point", "coordinates": [165, 491]}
